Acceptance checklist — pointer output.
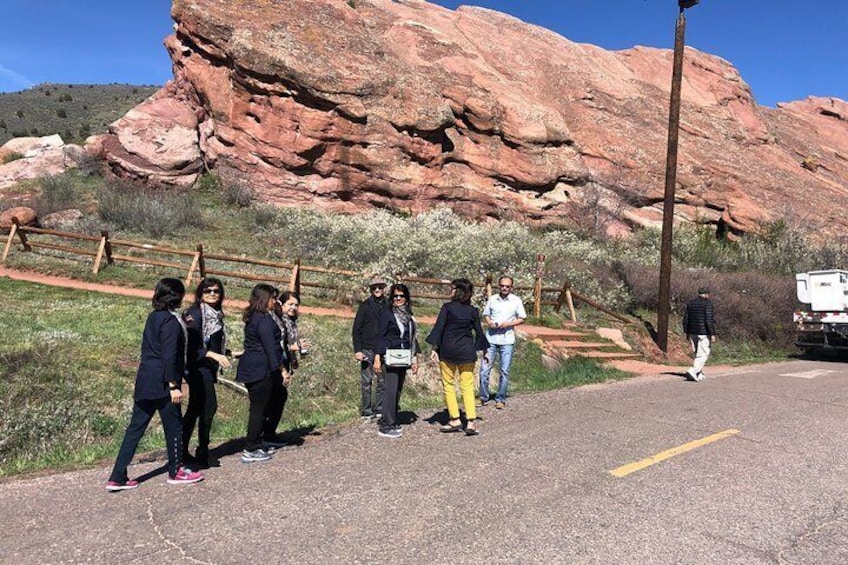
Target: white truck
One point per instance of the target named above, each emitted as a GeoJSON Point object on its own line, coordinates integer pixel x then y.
{"type": "Point", "coordinates": [825, 324]}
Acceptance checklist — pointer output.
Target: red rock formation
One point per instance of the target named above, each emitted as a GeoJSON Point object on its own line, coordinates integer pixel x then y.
{"type": "Point", "coordinates": [406, 105]}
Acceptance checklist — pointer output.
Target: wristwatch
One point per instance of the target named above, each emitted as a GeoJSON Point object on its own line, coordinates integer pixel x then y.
{"type": "Point", "coordinates": [172, 386]}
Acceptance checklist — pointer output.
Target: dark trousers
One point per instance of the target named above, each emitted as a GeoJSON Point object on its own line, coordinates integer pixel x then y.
{"type": "Point", "coordinates": [142, 413]}
{"type": "Point", "coordinates": [202, 405]}
{"type": "Point", "coordinates": [394, 379]}
{"type": "Point", "coordinates": [274, 410]}
{"type": "Point", "coordinates": [370, 405]}
{"type": "Point", "coordinates": [261, 395]}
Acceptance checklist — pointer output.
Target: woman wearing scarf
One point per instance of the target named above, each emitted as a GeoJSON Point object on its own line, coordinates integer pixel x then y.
{"type": "Point", "coordinates": [398, 331]}
{"type": "Point", "coordinates": [157, 388]}
{"type": "Point", "coordinates": [207, 353]}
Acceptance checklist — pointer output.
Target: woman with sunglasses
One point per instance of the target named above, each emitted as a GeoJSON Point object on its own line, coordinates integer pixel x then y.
{"type": "Point", "coordinates": [207, 354]}
{"type": "Point", "coordinates": [398, 330]}
{"type": "Point", "coordinates": [456, 338]}
{"type": "Point", "coordinates": [262, 369]}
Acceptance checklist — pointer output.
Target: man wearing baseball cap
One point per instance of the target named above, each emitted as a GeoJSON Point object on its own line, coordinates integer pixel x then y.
{"type": "Point", "coordinates": [366, 328]}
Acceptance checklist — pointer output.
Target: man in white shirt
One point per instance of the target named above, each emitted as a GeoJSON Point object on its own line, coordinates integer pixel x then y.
{"type": "Point", "coordinates": [502, 313]}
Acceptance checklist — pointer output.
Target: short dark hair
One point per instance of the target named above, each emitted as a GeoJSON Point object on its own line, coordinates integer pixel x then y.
{"type": "Point", "coordinates": [284, 297]}
{"type": "Point", "coordinates": [207, 283]}
{"type": "Point", "coordinates": [463, 290]}
{"type": "Point", "coordinates": [168, 294]}
{"type": "Point", "coordinates": [405, 291]}
{"type": "Point", "coordinates": [258, 301]}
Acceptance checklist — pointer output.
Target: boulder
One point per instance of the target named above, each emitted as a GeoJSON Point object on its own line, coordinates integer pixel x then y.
{"type": "Point", "coordinates": [61, 220]}
{"type": "Point", "coordinates": [42, 156]}
{"type": "Point", "coordinates": [407, 105]}
{"type": "Point", "coordinates": [26, 217]}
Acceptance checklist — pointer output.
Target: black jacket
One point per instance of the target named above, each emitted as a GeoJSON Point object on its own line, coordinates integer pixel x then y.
{"type": "Point", "coordinates": [390, 337]}
{"type": "Point", "coordinates": [263, 353]}
{"type": "Point", "coordinates": [452, 334]}
{"type": "Point", "coordinates": [197, 363]}
{"type": "Point", "coordinates": [366, 325]}
{"type": "Point", "coordinates": [699, 318]}
{"type": "Point", "coordinates": [162, 356]}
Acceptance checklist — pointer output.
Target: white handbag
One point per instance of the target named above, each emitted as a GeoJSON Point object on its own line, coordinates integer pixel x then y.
{"type": "Point", "coordinates": [398, 357]}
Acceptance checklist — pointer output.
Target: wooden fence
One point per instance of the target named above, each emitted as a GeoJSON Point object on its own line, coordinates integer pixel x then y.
{"type": "Point", "coordinates": [194, 264]}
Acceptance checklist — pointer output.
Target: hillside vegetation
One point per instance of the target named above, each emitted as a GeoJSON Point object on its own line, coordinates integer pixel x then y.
{"type": "Point", "coordinates": [74, 111]}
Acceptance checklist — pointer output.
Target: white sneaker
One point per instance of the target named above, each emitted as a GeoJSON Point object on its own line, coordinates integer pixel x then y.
{"type": "Point", "coordinates": [253, 456]}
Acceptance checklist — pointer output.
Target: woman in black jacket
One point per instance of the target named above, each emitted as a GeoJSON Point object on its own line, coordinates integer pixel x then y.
{"type": "Point", "coordinates": [261, 368]}
{"type": "Point", "coordinates": [207, 353]}
{"type": "Point", "coordinates": [398, 330]}
{"type": "Point", "coordinates": [455, 348]}
{"type": "Point", "coordinates": [157, 387]}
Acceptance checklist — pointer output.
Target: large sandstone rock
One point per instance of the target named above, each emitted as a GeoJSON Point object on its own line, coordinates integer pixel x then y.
{"type": "Point", "coordinates": [41, 157]}
{"type": "Point", "coordinates": [407, 105]}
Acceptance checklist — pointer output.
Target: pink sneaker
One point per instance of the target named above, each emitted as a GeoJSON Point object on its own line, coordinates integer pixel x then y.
{"type": "Point", "coordinates": [115, 486]}
{"type": "Point", "coordinates": [185, 476]}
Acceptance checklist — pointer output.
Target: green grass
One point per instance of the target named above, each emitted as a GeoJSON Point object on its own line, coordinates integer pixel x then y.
{"type": "Point", "coordinates": [68, 362]}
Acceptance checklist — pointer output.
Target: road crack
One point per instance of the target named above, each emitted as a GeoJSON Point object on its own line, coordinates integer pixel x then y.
{"type": "Point", "coordinates": [152, 521]}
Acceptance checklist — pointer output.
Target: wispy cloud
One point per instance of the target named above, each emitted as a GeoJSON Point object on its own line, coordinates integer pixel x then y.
{"type": "Point", "coordinates": [14, 77]}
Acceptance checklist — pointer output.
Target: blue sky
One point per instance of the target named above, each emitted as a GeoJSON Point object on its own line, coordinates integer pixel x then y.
{"type": "Point", "coordinates": [785, 49]}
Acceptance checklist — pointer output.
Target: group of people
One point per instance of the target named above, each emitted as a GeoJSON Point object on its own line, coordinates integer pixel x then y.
{"type": "Point", "coordinates": [385, 343]}
{"type": "Point", "coordinates": [192, 346]}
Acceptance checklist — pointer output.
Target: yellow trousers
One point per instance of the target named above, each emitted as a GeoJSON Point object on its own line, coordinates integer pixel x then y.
{"type": "Point", "coordinates": [466, 387]}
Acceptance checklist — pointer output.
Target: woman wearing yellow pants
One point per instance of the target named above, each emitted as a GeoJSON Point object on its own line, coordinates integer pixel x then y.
{"type": "Point", "coordinates": [456, 338]}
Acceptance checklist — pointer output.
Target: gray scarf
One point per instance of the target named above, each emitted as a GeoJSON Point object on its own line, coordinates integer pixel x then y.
{"type": "Point", "coordinates": [213, 322]}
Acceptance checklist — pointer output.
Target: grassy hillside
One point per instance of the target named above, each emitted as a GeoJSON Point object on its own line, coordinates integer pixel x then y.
{"type": "Point", "coordinates": [74, 111]}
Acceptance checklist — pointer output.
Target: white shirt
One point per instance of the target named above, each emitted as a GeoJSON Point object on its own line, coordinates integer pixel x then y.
{"type": "Point", "coordinates": [502, 310]}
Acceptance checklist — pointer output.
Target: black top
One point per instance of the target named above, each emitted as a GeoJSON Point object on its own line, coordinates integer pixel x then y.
{"type": "Point", "coordinates": [263, 353]}
{"type": "Point", "coordinates": [366, 325]}
{"type": "Point", "coordinates": [452, 334]}
{"type": "Point", "coordinates": [699, 318]}
{"type": "Point", "coordinates": [390, 338]}
{"type": "Point", "coordinates": [162, 356]}
{"type": "Point", "coordinates": [197, 363]}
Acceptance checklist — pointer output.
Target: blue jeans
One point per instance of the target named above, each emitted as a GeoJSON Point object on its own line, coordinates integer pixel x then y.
{"type": "Point", "coordinates": [486, 369]}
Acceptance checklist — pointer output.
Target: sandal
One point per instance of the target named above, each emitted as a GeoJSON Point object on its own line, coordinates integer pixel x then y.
{"type": "Point", "coordinates": [471, 429]}
{"type": "Point", "coordinates": [449, 428]}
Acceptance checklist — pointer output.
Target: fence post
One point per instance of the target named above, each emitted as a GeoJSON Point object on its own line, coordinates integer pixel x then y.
{"type": "Point", "coordinates": [202, 263]}
{"type": "Point", "coordinates": [194, 261]}
{"type": "Point", "coordinates": [12, 231]}
{"type": "Point", "coordinates": [294, 284]}
{"type": "Point", "coordinates": [101, 249]}
{"type": "Point", "coordinates": [488, 286]}
{"type": "Point", "coordinates": [537, 288]}
{"type": "Point", "coordinates": [108, 248]}
{"type": "Point", "coordinates": [570, 305]}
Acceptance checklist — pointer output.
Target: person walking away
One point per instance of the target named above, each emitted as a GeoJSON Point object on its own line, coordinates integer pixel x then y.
{"type": "Point", "coordinates": [366, 327]}
{"type": "Point", "coordinates": [456, 338]}
{"type": "Point", "coordinates": [207, 354]}
{"type": "Point", "coordinates": [158, 388]}
{"type": "Point", "coordinates": [398, 335]}
{"type": "Point", "coordinates": [261, 369]}
{"type": "Point", "coordinates": [699, 327]}
{"type": "Point", "coordinates": [502, 313]}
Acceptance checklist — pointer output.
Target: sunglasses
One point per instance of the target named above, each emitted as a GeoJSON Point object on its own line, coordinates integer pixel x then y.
{"type": "Point", "coordinates": [211, 291]}
{"type": "Point", "coordinates": [396, 296]}
{"type": "Point", "coordinates": [506, 286]}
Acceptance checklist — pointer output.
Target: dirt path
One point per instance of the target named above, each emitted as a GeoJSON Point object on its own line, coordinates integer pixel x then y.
{"type": "Point", "coordinates": [627, 365]}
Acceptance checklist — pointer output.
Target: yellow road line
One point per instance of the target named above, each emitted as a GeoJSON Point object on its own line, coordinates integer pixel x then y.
{"type": "Point", "coordinates": [625, 470]}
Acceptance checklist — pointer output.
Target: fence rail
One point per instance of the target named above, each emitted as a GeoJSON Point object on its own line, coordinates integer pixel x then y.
{"type": "Point", "coordinates": [286, 273]}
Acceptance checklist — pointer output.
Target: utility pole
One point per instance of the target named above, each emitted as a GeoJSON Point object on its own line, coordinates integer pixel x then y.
{"type": "Point", "coordinates": [663, 305]}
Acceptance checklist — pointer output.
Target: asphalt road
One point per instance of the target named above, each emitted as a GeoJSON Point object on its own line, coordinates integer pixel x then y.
{"type": "Point", "coordinates": [534, 487]}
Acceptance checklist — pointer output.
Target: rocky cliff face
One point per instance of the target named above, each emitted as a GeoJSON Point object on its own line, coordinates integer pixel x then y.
{"type": "Point", "coordinates": [405, 105]}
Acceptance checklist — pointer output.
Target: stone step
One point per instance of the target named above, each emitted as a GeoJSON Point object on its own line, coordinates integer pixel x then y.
{"type": "Point", "coordinates": [561, 344]}
{"type": "Point", "coordinates": [548, 334]}
{"type": "Point", "coordinates": [608, 355]}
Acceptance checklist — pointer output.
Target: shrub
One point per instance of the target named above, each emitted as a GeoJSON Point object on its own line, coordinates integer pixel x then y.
{"type": "Point", "coordinates": [144, 210]}
{"type": "Point", "coordinates": [59, 192]}
{"type": "Point", "coordinates": [237, 194]}
{"type": "Point", "coordinates": [13, 156]}
{"type": "Point", "coordinates": [62, 113]}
